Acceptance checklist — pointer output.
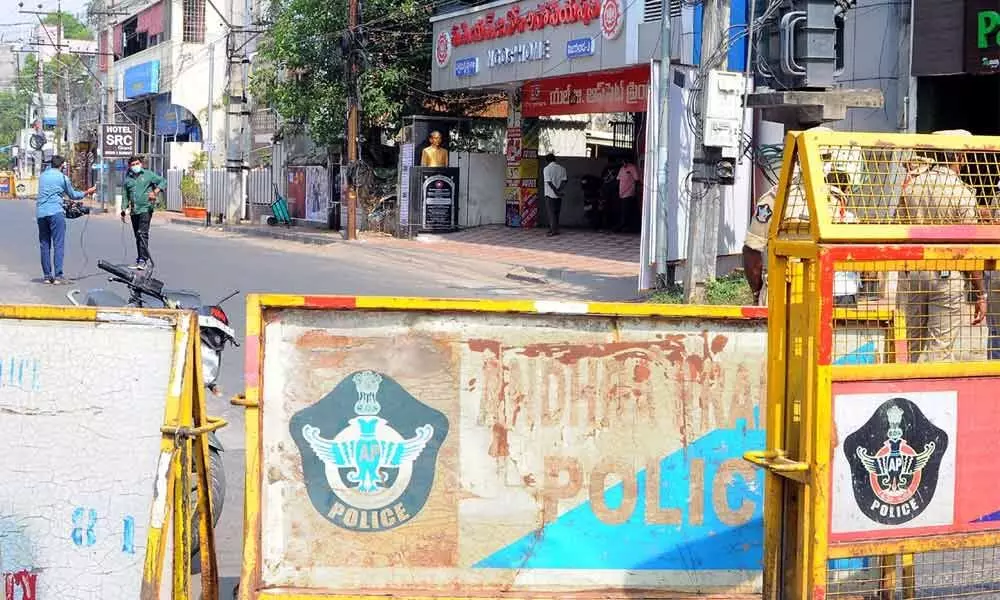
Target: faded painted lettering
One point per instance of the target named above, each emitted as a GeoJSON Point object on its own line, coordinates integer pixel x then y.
{"type": "Point", "coordinates": [128, 535]}
{"type": "Point", "coordinates": [20, 585]}
{"type": "Point", "coordinates": [564, 479]}
{"type": "Point", "coordinates": [84, 521]}
{"type": "Point", "coordinates": [20, 372]}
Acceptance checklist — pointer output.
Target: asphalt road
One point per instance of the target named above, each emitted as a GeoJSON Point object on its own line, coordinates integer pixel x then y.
{"type": "Point", "coordinates": [215, 265]}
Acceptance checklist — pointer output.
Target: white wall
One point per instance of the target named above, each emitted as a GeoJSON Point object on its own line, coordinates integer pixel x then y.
{"type": "Point", "coordinates": [481, 183]}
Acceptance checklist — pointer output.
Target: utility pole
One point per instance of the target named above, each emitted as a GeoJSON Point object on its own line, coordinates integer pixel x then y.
{"type": "Point", "coordinates": [60, 83]}
{"type": "Point", "coordinates": [109, 107]}
{"type": "Point", "coordinates": [705, 205]}
{"type": "Point", "coordinates": [352, 123]}
{"type": "Point", "coordinates": [662, 145]}
{"type": "Point", "coordinates": [209, 133]}
{"type": "Point", "coordinates": [40, 83]}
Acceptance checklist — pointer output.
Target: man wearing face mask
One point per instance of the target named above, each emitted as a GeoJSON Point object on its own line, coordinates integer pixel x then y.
{"type": "Point", "coordinates": [142, 187]}
{"type": "Point", "coordinates": [53, 185]}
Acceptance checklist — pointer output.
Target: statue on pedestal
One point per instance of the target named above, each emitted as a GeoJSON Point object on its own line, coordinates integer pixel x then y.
{"type": "Point", "coordinates": [434, 155]}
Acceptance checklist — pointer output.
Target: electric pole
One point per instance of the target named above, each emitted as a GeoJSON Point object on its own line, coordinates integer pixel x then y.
{"type": "Point", "coordinates": [352, 122]}
{"type": "Point", "coordinates": [60, 83]}
{"type": "Point", "coordinates": [109, 106]}
{"type": "Point", "coordinates": [662, 145]}
{"type": "Point", "coordinates": [705, 204]}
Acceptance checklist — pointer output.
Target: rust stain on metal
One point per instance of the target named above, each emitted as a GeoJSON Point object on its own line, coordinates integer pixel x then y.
{"type": "Point", "coordinates": [322, 340]}
{"type": "Point", "coordinates": [499, 446]}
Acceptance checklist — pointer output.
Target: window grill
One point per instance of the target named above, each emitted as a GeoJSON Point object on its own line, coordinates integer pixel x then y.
{"type": "Point", "coordinates": [194, 21]}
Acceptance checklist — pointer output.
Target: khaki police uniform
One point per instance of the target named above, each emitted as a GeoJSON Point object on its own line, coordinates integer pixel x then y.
{"type": "Point", "coordinates": [760, 223]}
{"type": "Point", "coordinates": [932, 300]}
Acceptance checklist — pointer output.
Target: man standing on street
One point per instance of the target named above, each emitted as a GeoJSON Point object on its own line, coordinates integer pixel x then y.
{"type": "Point", "coordinates": [142, 186]}
{"type": "Point", "coordinates": [554, 177]}
{"type": "Point", "coordinates": [52, 186]}
{"type": "Point", "coordinates": [628, 180]}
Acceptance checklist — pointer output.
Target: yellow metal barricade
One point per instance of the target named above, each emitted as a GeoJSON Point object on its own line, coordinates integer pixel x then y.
{"type": "Point", "coordinates": [882, 477]}
{"type": "Point", "coordinates": [102, 423]}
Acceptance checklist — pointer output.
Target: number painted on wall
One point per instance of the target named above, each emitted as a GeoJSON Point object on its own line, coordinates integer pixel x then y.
{"type": "Point", "coordinates": [84, 521]}
{"type": "Point", "coordinates": [84, 533]}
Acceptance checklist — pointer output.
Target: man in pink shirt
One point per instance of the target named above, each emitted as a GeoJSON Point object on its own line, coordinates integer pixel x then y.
{"type": "Point", "coordinates": [628, 180]}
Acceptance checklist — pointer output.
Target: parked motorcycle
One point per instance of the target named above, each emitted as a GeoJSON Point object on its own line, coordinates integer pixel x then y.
{"type": "Point", "coordinates": [146, 291]}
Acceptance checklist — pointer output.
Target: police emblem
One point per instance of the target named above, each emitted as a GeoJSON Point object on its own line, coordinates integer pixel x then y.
{"type": "Point", "coordinates": [763, 213]}
{"type": "Point", "coordinates": [895, 457]}
{"type": "Point", "coordinates": [361, 471]}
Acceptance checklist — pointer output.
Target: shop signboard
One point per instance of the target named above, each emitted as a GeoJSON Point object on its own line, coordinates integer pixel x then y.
{"type": "Point", "coordinates": [619, 90]}
{"type": "Point", "coordinates": [118, 140]}
{"type": "Point", "coordinates": [580, 47]}
{"type": "Point", "coordinates": [520, 41]}
{"type": "Point", "coordinates": [982, 36]}
{"type": "Point", "coordinates": [142, 79]}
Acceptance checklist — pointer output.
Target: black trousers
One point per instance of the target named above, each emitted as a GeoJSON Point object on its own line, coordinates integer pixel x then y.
{"type": "Point", "coordinates": [140, 227]}
{"type": "Point", "coordinates": [554, 207]}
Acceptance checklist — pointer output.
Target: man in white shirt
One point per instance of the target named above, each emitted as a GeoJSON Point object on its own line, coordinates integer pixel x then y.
{"type": "Point", "coordinates": [554, 178]}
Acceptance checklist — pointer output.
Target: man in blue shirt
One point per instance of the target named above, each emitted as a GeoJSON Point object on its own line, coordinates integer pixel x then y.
{"type": "Point", "coordinates": [52, 186]}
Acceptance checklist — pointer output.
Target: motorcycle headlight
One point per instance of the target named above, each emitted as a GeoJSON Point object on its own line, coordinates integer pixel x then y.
{"type": "Point", "coordinates": [210, 362]}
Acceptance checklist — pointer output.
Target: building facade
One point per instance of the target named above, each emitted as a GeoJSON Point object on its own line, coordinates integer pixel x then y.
{"type": "Point", "coordinates": [168, 76]}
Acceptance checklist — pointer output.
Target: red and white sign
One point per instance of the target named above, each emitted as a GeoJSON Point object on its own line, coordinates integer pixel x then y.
{"type": "Point", "coordinates": [612, 19]}
{"type": "Point", "coordinates": [914, 458]}
{"type": "Point", "coordinates": [442, 49]}
{"type": "Point", "coordinates": [550, 13]}
{"type": "Point", "coordinates": [621, 90]}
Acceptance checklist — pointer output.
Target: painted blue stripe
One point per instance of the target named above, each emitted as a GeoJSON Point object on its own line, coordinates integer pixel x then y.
{"type": "Point", "coordinates": [578, 540]}
{"type": "Point", "coordinates": [994, 516]}
{"type": "Point", "coordinates": [864, 355]}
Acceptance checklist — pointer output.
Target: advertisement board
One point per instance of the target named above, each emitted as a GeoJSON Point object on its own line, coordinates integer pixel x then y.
{"type": "Point", "coordinates": [519, 41]}
{"type": "Point", "coordinates": [619, 90]}
{"type": "Point", "coordinates": [317, 199]}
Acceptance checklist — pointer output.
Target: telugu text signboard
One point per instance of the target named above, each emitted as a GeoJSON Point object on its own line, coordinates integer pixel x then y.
{"type": "Point", "coordinates": [118, 141]}
{"type": "Point", "coordinates": [524, 40]}
{"type": "Point", "coordinates": [619, 90]}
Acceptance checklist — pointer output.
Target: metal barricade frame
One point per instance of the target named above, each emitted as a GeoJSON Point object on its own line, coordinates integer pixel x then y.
{"type": "Point", "coordinates": [805, 512]}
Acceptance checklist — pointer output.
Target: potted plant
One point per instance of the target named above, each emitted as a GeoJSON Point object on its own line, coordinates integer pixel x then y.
{"type": "Point", "coordinates": [191, 189]}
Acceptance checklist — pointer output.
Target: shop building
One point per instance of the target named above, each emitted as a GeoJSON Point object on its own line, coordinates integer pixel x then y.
{"type": "Point", "coordinates": [163, 54]}
{"type": "Point", "coordinates": [586, 57]}
{"type": "Point", "coordinates": [956, 59]}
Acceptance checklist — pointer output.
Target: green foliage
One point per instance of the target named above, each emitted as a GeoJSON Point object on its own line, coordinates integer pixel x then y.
{"type": "Point", "coordinates": [731, 289]}
{"type": "Point", "coordinates": [11, 121]}
{"type": "Point", "coordinates": [73, 29]}
{"type": "Point", "coordinates": [199, 162]}
{"type": "Point", "coordinates": [301, 70]}
{"type": "Point", "coordinates": [191, 192]}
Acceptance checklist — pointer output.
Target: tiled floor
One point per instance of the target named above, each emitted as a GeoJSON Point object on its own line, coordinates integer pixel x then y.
{"type": "Point", "coordinates": [578, 250]}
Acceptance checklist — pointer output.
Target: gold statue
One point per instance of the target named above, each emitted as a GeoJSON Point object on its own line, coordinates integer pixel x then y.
{"type": "Point", "coordinates": [434, 155]}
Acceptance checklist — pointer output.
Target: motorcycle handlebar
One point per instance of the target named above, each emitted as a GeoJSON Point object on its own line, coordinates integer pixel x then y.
{"type": "Point", "coordinates": [149, 286]}
{"type": "Point", "coordinates": [120, 272]}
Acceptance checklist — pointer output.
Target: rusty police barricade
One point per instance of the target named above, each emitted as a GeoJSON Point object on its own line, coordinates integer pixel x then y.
{"type": "Point", "coordinates": [422, 447]}
{"type": "Point", "coordinates": [882, 478]}
{"type": "Point", "coordinates": [100, 423]}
